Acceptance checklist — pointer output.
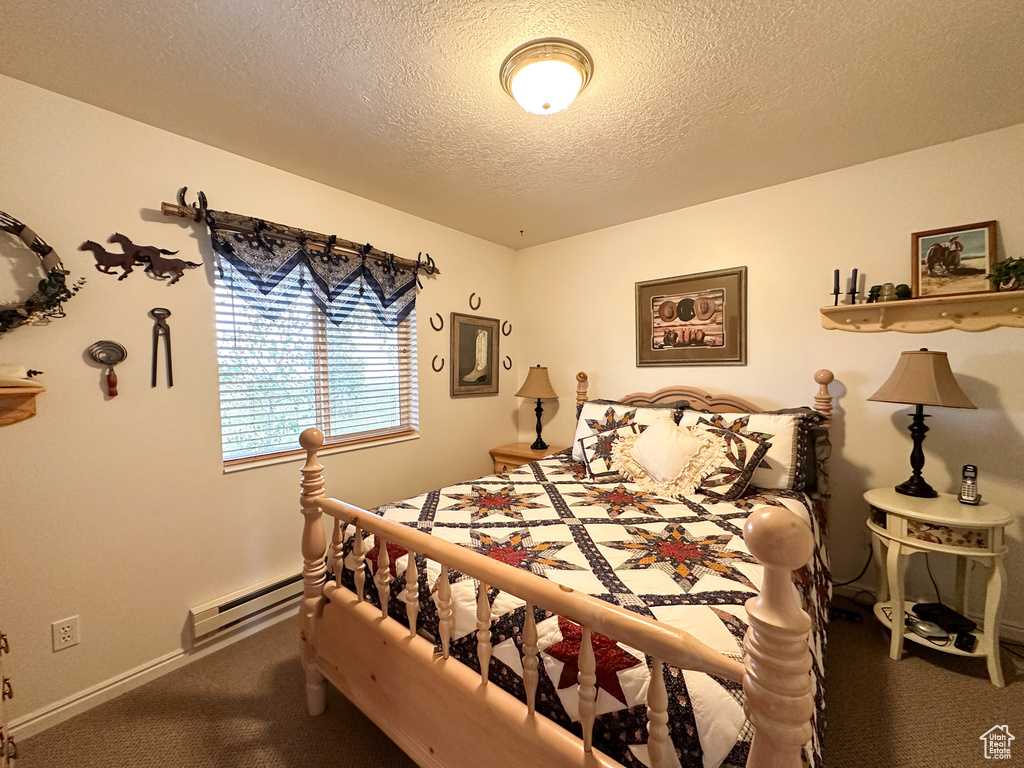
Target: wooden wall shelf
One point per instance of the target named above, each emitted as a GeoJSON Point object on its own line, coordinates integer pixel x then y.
{"type": "Point", "coordinates": [18, 403]}
{"type": "Point", "coordinates": [973, 312]}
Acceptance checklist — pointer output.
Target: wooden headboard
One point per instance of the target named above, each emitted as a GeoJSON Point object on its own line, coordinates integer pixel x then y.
{"type": "Point", "coordinates": [716, 403]}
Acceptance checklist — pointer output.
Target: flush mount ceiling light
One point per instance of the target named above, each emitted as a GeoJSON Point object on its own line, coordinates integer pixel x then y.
{"type": "Point", "coordinates": [544, 76]}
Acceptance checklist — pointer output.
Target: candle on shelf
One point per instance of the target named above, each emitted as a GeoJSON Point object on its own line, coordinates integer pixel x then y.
{"type": "Point", "coordinates": [853, 281]}
{"type": "Point", "coordinates": [835, 281]}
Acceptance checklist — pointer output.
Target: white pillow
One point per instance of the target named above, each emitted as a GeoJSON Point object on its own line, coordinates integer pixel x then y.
{"type": "Point", "coordinates": [668, 460]}
{"type": "Point", "coordinates": [664, 450]}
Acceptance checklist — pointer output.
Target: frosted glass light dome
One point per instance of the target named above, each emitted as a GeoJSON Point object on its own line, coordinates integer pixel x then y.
{"type": "Point", "coordinates": [544, 76]}
{"type": "Point", "coordinates": [546, 87]}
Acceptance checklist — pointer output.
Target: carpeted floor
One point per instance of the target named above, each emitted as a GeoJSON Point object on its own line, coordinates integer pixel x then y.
{"type": "Point", "coordinates": [244, 707]}
{"type": "Point", "coordinates": [241, 707]}
{"type": "Point", "coordinates": [927, 710]}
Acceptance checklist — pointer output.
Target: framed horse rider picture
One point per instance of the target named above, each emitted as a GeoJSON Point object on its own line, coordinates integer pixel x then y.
{"type": "Point", "coordinates": [954, 260]}
{"type": "Point", "coordinates": [697, 319]}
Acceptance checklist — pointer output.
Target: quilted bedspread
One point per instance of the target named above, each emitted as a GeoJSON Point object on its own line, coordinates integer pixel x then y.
{"type": "Point", "coordinates": [682, 562]}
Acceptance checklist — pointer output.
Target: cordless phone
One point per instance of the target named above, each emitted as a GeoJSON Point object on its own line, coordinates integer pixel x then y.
{"type": "Point", "coordinates": [969, 486]}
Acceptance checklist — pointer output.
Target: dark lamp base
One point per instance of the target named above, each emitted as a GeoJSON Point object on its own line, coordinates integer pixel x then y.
{"type": "Point", "coordinates": [916, 486]}
{"type": "Point", "coordinates": [539, 444]}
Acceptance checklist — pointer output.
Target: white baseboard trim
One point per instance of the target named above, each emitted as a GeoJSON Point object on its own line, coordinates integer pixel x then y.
{"type": "Point", "coordinates": [1009, 631]}
{"type": "Point", "coordinates": [36, 722]}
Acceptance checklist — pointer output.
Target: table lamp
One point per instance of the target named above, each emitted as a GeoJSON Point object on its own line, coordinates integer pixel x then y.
{"type": "Point", "coordinates": [921, 378]}
{"type": "Point", "coordinates": [537, 385]}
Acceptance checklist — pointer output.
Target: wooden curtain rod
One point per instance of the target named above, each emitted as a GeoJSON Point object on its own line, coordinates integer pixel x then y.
{"type": "Point", "coordinates": [240, 223]}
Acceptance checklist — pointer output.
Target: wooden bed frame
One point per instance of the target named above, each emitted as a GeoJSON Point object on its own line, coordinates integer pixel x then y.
{"type": "Point", "coordinates": [445, 715]}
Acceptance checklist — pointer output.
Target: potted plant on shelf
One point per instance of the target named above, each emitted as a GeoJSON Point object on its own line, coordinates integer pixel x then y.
{"type": "Point", "coordinates": [1008, 275]}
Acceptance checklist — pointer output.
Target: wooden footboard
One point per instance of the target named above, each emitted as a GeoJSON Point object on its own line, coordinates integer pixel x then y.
{"type": "Point", "coordinates": [444, 714]}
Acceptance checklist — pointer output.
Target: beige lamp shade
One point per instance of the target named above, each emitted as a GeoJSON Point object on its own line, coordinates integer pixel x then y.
{"type": "Point", "coordinates": [537, 385]}
{"type": "Point", "coordinates": [923, 377]}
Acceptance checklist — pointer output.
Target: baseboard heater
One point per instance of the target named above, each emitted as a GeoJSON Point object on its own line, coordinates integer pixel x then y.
{"type": "Point", "coordinates": [245, 605]}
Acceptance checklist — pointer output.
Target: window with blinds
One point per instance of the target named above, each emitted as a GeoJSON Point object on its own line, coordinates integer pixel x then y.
{"type": "Point", "coordinates": [356, 381]}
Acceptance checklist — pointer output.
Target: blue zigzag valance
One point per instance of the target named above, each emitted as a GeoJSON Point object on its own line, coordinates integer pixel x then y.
{"type": "Point", "coordinates": [337, 277]}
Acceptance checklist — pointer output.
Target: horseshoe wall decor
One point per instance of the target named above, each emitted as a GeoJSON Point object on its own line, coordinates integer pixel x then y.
{"type": "Point", "coordinates": [434, 366]}
{"type": "Point", "coordinates": [479, 301]}
{"type": "Point", "coordinates": [509, 331]}
{"type": "Point", "coordinates": [199, 209]}
{"type": "Point", "coordinates": [509, 366]}
{"type": "Point", "coordinates": [441, 319]}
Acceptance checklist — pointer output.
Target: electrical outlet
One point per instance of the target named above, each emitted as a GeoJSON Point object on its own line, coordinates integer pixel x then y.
{"type": "Point", "coordinates": [65, 633]}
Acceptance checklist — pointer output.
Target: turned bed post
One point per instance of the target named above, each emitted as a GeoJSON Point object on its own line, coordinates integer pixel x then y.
{"type": "Point", "coordinates": [581, 389]}
{"type": "Point", "coordinates": [314, 569]}
{"type": "Point", "coordinates": [823, 398]}
{"type": "Point", "coordinates": [777, 669]}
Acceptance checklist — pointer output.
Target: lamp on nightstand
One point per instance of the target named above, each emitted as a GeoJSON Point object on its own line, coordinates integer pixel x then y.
{"type": "Point", "coordinates": [921, 378]}
{"type": "Point", "coordinates": [537, 385]}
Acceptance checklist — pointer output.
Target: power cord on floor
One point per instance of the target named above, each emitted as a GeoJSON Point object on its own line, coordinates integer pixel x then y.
{"type": "Point", "coordinates": [835, 612]}
{"type": "Point", "coordinates": [1009, 647]}
{"type": "Point", "coordinates": [868, 604]}
{"type": "Point", "coordinates": [862, 572]}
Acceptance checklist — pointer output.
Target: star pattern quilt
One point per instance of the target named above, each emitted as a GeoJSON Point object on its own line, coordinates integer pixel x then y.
{"type": "Point", "coordinates": [679, 561]}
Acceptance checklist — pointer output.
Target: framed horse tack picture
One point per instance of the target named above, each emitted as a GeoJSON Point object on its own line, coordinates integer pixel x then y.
{"type": "Point", "coordinates": [698, 319]}
{"type": "Point", "coordinates": [474, 355]}
{"type": "Point", "coordinates": [953, 260]}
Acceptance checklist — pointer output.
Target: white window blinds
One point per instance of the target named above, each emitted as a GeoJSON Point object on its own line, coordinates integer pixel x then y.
{"type": "Point", "coordinates": [285, 367]}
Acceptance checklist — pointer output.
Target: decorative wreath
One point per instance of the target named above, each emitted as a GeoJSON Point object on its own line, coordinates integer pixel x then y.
{"type": "Point", "coordinates": [46, 302]}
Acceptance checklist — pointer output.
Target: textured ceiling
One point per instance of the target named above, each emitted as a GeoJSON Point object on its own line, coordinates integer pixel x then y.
{"type": "Point", "coordinates": [399, 101]}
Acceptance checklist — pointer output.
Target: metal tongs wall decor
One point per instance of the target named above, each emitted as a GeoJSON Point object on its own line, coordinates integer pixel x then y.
{"type": "Point", "coordinates": [161, 330]}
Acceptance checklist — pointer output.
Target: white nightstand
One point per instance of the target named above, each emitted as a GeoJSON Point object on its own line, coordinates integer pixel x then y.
{"type": "Point", "coordinates": [905, 525]}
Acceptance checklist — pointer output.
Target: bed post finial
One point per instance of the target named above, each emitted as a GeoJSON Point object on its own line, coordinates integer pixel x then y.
{"type": "Point", "coordinates": [581, 388]}
{"type": "Point", "coordinates": [314, 571]}
{"type": "Point", "coordinates": [777, 679]}
{"type": "Point", "coordinates": [823, 400]}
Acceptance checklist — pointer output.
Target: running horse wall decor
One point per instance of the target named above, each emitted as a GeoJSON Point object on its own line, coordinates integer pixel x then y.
{"type": "Point", "coordinates": [154, 257]}
{"type": "Point", "coordinates": [158, 265]}
{"type": "Point", "coordinates": [134, 255]}
{"type": "Point", "coordinates": [107, 261]}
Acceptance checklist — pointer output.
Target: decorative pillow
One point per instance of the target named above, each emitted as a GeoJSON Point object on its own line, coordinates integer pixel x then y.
{"type": "Point", "coordinates": [597, 452]}
{"type": "Point", "coordinates": [785, 466]}
{"type": "Point", "coordinates": [742, 456]}
{"type": "Point", "coordinates": [813, 448]}
{"type": "Point", "coordinates": [668, 460]}
{"type": "Point", "coordinates": [600, 415]}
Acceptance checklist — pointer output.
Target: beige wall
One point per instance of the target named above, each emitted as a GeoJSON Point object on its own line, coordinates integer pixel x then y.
{"type": "Point", "coordinates": [791, 237]}
{"type": "Point", "coordinates": [118, 510]}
